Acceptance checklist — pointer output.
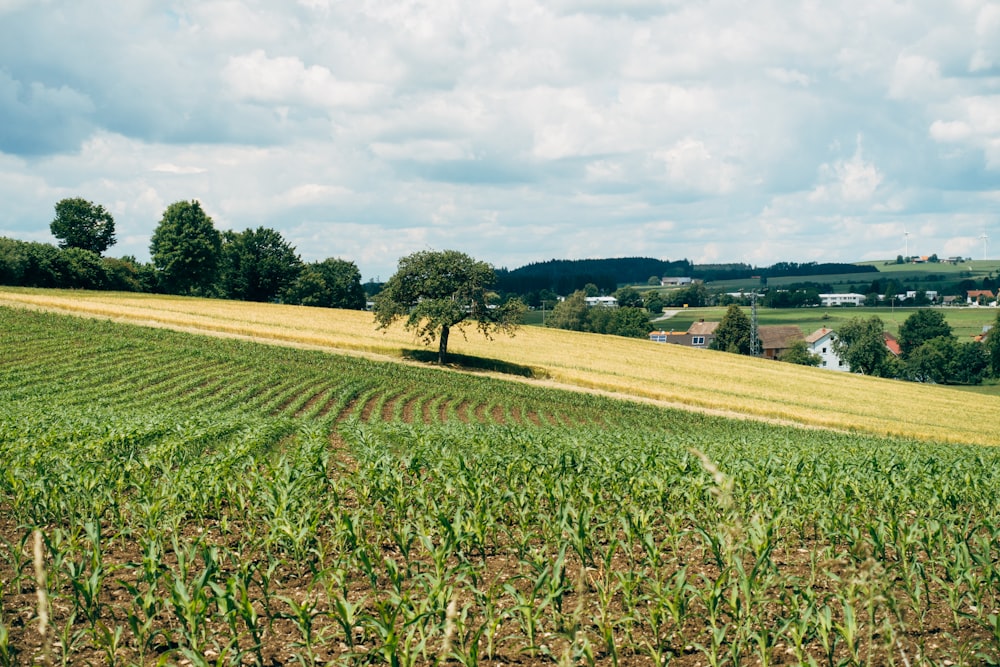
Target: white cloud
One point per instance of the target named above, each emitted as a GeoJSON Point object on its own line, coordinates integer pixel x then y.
{"type": "Point", "coordinates": [169, 168]}
{"type": "Point", "coordinates": [783, 75]}
{"type": "Point", "coordinates": [690, 165]}
{"type": "Point", "coordinates": [977, 126]}
{"type": "Point", "coordinates": [850, 181]}
{"type": "Point", "coordinates": [283, 79]}
{"type": "Point", "coordinates": [914, 76]}
{"type": "Point", "coordinates": [516, 130]}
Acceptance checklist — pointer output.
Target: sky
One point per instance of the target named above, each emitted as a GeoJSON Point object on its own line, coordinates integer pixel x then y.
{"type": "Point", "coordinates": [516, 131]}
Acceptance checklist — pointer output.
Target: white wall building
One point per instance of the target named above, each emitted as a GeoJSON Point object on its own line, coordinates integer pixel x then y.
{"type": "Point", "coordinates": [842, 299]}
{"type": "Point", "coordinates": [606, 301]}
{"type": "Point", "coordinates": [821, 342]}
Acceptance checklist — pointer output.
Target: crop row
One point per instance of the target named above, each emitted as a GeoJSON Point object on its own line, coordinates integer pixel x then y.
{"type": "Point", "coordinates": [204, 517]}
{"type": "Point", "coordinates": [88, 361]}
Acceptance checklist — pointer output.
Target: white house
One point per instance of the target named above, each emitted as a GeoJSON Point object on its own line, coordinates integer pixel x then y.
{"type": "Point", "coordinates": [605, 301]}
{"type": "Point", "coordinates": [820, 342]}
{"type": "Point", "coordinates": [671, 281]}
{"type": "Point", "coordinates": [849, 299]}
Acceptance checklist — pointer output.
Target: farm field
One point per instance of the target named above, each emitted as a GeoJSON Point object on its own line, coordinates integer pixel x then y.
{"type": "Point", "coordinates": [202, 500]}
{"type": "Point", "coordinates": [639, 369]}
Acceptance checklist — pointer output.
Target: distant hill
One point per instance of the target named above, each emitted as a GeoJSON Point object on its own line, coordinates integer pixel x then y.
{"type": "Point", "coordinates": [564, 276]}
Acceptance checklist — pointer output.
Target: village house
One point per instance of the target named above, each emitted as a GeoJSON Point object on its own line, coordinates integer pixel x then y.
{"type": "Point", "coordinates": [820, 343]}
{"type": "Point", "coordinates": [699, 334]}
{"type": "Point", "coordinates": [775, 339]}
{"type": "Point", "coordinates": [980, 297]}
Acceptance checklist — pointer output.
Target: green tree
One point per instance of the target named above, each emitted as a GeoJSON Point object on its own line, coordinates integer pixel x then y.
{"type": "Point", "coordinates": [82, 224]}
{"type": "Point", "coordinates": [798, 353]}
{"type": "Point", "coordinates": [332, 283]}
{"type": "Point", "coordinates": [124, 275]}
{"type": "Point", "coordinates": [932, 360]}
{"type": "Point", "coordinates": [860, 343]}
{"type": "Point", "coordinates": [993, 347]}
{"type": "Point", "coordinates": [734, 332]}
{"type": "Point", "coordinates": [13, 261]}
{"type": "Point", "coordinates": [257, 265]}
{"type": "Point", "coordinates": [43, 266]}
{"type": "Point", "coordinates": [972, 364]}
{"type": "Point", "coordinates": [654, 302]}
{"type": "Point", "coordinates": [628, 297]}
{"type": "Point", "coordinates": [921, 326]}
{"type": "Point", "coordinates": [693, 296]}
{"type": "Point", "coordinates": [185, 249]}
{"type": "Point", "coordinates": [82, 269]}
{"type": "Point", "coordinates": [435, 291]}
{"type": "Point", "coordinates": [570, 313]}
{"type": "Point", "coordinates": [629, 322]}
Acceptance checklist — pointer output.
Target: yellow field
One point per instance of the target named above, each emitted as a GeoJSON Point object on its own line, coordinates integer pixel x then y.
{"type": "Point", "coordinates": [698, 379]}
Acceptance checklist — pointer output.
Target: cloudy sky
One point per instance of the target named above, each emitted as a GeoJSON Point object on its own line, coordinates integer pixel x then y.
{"type": "Point", "coordinates": [513, 130]}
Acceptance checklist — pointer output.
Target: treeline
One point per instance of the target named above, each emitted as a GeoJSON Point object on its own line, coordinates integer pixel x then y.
{"type": "Point", "coordinates": [189, 256]}
{"type": "Point", "coordinates": [565, 276]}
{"type": "Point", "coordinates": [929, 350]}
{"type": "Point", "coordinates": [630, 319]}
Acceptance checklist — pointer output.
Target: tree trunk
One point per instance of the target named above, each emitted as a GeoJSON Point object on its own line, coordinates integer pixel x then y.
{"type": "Point", "coordinates": [443, 345]}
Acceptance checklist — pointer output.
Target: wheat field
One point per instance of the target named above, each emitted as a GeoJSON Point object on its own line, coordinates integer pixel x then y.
{"type": "Point", "coordinates": [628, 368]}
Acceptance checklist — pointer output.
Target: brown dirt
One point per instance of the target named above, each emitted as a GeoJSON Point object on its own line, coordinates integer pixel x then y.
{"type": "Point", "coordinates": [311, 403]}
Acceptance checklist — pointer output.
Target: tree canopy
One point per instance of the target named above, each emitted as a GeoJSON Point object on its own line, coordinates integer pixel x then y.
{"type": "Point", "coordinates": [332, 283]}
{"type": "Point", "coordinates": [185, 249]}
{"type": "Point", "coordinates": [921, 326]}
{"type": "Point", "coordinates": [435, 291]}
{"type": "Point", "coordinates": [734, 333]}
{"type": "Point", "coordinates": [798, 353]}
{"type": "Point", "coordinates": [82, 224]}
{"type": "Point", "coordinates": [629, 297]}
{"type": "Point", "coordinates": [861, 344]}
{"type": "Point", "coordinates": [257, 264]}
{"type": "Point", "coordinates": [570, 313]}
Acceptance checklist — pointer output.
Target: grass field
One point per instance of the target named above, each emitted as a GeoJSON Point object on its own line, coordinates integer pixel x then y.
{"type": "Point", "coordinates": [671, 375]}
{"type": "Point", "coordinates": [177, 499]}
{"type": "Point", "coordinates": [921, 276]}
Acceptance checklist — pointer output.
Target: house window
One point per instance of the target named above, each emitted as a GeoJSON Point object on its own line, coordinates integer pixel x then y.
{"type": "Point", "coordinates": [824, 350]}
{"type": "Point", "coordinates": [697, 340]}
{"type": "Point", "coordinates": [824, 362]}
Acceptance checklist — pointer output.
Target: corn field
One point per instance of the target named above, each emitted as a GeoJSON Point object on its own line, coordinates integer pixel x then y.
{"type": "Point", "coordinates": [175, 499]}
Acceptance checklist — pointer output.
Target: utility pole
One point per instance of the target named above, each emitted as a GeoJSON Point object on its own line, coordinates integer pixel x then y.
{"type": "Point", "coordinates": [754, 340]}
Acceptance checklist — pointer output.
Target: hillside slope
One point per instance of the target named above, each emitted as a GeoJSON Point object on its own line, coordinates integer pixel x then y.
{"type": "Point", "coordinates": [697, 379]}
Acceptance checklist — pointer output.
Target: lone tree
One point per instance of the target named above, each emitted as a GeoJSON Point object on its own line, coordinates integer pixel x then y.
{"type": "Point", "coordinates": [438, 290]}
{"type": "Point", "coordinates": [82, 224]}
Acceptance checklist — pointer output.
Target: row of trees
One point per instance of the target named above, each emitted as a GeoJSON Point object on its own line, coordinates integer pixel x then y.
{"type": "Point", "coordinates": [189, 256]}
{"type": "Point", "coordinates": [930, 351]}
{"type": "Point", "coordinates": [629, 319]}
